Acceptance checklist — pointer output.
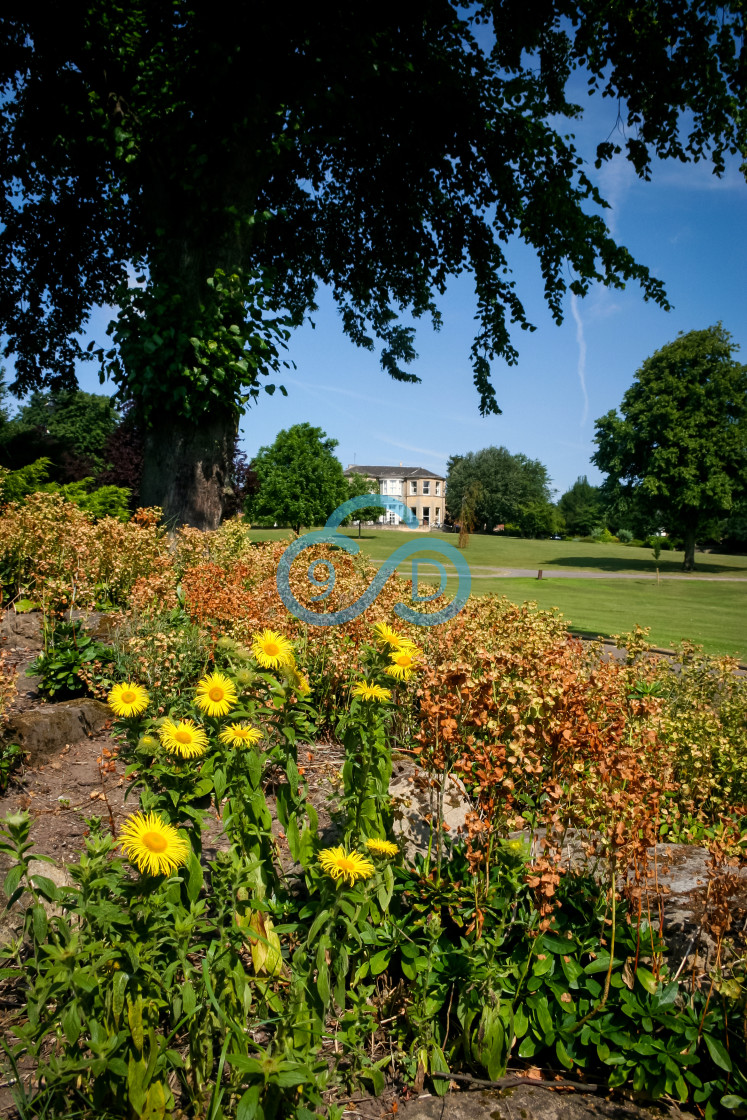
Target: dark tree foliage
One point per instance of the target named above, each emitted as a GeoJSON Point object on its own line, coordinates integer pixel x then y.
{"type": "Point", "coordinates": [582, 507]}
{"type": "Point", "coordinates": [69, 427]}
{"type": "Point", "coordinates": [238, 160]}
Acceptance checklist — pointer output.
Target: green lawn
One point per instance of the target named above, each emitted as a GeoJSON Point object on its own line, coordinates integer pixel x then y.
{"type": "Point", "coordinates": [713, 613]}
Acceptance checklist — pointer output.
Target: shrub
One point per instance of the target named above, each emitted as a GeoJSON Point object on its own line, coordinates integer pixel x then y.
{"type": "Point", "coordinates": [624, 536]}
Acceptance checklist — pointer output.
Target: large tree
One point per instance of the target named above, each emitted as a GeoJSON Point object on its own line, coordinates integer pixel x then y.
{"type": "Point", "coordinates": [299, 481]}
{"type": "Point", "coordinates": [501, 488]}
{"type": "Point", "coordinates": [203, 170]}
{"type": "Point", "coordinates": [679, 446]}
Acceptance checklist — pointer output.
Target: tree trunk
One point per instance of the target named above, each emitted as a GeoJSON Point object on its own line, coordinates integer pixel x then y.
{"type": "Point", "coordinates": [185, 470]}
{"type": "Point", "coordinates": [689, 561]}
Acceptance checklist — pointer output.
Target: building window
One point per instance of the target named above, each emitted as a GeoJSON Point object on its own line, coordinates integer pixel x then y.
{"type": "Point", "coordinates": [413, 487]}
{"type": "Point", "coordinates": [438, 514]}
{"type": "Point", "coordinates": [413, 511]}
{"type": "Point", "coordinates": [426, 515]}
{"type": "Point", "coordinates": [392, 517]}
{"type": "Point", "coordinates": [438, 489]}
{"type": "Point", "coordinates": [426, 486]}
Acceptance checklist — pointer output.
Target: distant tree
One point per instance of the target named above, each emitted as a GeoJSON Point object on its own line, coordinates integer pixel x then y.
{"type": "Point", "coordinates": [299, 479]}
{"type": "Point", "coordinates": [69, 427]}
{"type": "Point", "coordinates": [538, 519]}
{"type": "Point", "coordinates": [680, 445]}
{"type": "Point", "coordinates": [582, 507]}
{"type": "Point", "coordinates": [509, 485]}
{"type": "Point", "coordinates": [358, 485]}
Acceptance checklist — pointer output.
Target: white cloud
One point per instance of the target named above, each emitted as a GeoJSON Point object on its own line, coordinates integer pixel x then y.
{"type": "Point", "coordinates": [581, 356]}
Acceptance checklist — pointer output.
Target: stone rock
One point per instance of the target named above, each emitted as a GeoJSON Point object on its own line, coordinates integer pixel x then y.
{"type": "Point", "coordinates": [680, 885]}
{"type": "Point", "coordinates": [415, 798]}
{"type": "Point", "coordinates": [22, 631]}
{"type": "Point", "coordinates": [11, 921]}
{"type": "Point", "coordinates": [46, 731]}
{"type": "Point", "coordinates": [530, 1103]}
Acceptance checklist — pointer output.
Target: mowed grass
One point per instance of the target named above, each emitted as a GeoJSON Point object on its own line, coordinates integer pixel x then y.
{"type": "Point", "coordinates": [712, 613]}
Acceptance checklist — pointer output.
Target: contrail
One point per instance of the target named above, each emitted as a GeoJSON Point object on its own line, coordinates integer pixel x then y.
{"type": "Point", "coordinates": [581, 356]}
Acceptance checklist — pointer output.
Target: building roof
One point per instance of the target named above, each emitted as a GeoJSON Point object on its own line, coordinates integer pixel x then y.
{"type": "Point", "coordinates": [392, 472]}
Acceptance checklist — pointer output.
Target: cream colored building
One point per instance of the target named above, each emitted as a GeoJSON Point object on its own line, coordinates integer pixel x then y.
{"type": "Point", "coordinates": [423, 491]}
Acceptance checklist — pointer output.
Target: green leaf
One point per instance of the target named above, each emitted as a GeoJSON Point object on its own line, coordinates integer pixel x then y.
{"type": "Point", "coordinates": [719, 1053]}
{"type": "Point", "coordinates": [39, 919]}
{"type": "Point", "coordinates": [317, 924]}
{"type": "Point", "coordinates": [194, 877]}
{"type": "Point", "coordinates": [189, 998]}
{"type": "Point", "coordinates": [379, 961]}
{"type": "Point", "coordinates": [119, 988]}
{"type": "Point", "coordinates": [543, 1017]}
{"type": "Point", "coordinates": [322, 984]}
{"type": "Point", "coordinates": [12, 879]}
{"type": "Point", "coordinates": [731, 1100]}
{"type": "Point", "coordinates": [249, 1104]}
{"type": "Point", "coordinates": [563, 1056]}
{"type": "Point", "coordinates": [438, 1064]}
{"type": "Point", "coordinates": [376, 1077]}
{"type": "Point", "coordinates": [647, 979]}
{"type": "Point", "coordinates": [528, 1047]}
{"type": "Point", "coordinates": [71, 1024]}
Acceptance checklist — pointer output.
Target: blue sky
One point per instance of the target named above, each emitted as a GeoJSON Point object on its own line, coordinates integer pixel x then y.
{"type": "Point", "coordinates": [687, 226]}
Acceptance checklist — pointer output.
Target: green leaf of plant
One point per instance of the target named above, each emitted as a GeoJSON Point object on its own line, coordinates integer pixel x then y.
{"type": "Point", "coordinates": [194, 877]}
{"type": "Point", "coordinates": [563, 1056]}
{"type": "Point", "coordinates": [249, 1103]}
{"type": "Point", "coordinates": [438, 1064]}
{"type": "Point", "coordinates": [719, 1053]}
{"type": "Point", "coordinates": [379, 962]}
{"type": "Point", "coordinates": [647, 979]}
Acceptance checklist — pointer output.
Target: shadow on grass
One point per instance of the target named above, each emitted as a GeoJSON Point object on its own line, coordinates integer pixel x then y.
{"type": "Point", "coordinates": [668, 563]}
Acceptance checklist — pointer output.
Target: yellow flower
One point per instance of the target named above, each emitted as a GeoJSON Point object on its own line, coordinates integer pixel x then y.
{"type": "Point", "coordinates": [385, 636]}
{"type": "Point", "coordinates": [153, 845]}
{"type": "Point", "coordinates": [239, 735]}
{"type": "Point", "coordinates": [382, 847]}
{"type": "Point", "coordinates": [183, 738]}
{"type": "Point", "coordinates": [403, 663]}
{"type": "Point", "coordinates": [216, 694]}
{"type": "Point", "coordinates": [342, 865]}
{"type": "Point", "coordinates": [128, 699]}
{"type": "Point", "coordinates": [365, 691]}
{"type": "Point", "coordinates": [272, 650]}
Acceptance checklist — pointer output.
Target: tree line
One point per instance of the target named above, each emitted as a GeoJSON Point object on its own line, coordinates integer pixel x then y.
{"type": "Point", "coordinates": [674, 457]}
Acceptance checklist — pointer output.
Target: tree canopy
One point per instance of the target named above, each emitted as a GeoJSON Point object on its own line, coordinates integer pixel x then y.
{"type": "Point", "coordinates": [205, 175]}
{"type": "Point", "coordinates": [679, 444]}
{"type": "Point", "coordinates": [582, 507]}
{"type": "Point", "coordinates": [299, 480]}
{"type": "Point", "coordinates": [502, 488]}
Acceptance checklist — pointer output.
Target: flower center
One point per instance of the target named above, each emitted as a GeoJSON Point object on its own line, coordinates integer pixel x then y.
{"type": "Point", "coordinates": [128, 697]}
{"type": "Point", "coordinates": [272, 649]}
{"type": "Point", "coordinates": [346, 865]}
{"type": "Point", "coordinates": [155, 842]}
{"type": "Point", "coordinates": [216, 693]}
{"type": "Point", "coordinates": [404, 660]}
{"type": "Point", "coordinates": [183, 737]}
